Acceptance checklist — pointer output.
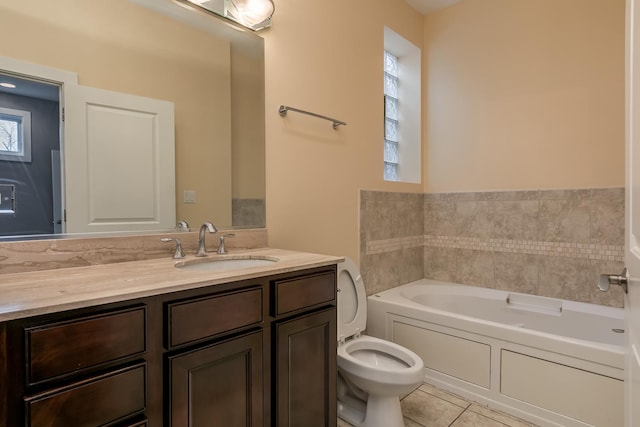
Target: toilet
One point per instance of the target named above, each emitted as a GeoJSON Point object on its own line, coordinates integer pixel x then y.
{"type": "Point", "coordinates": [372, 373]}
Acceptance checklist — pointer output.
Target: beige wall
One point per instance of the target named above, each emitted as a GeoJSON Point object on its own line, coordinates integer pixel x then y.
{"type": "Point", "coordinates": [119, 46]}
{"type": "Point", "coordinates": [247, 87]}
{"type": "Point", "coordinates": [519, 95]}
{"type": "Point", "coordinates": [326, 56]}
{"type": "Point", "coordinates": [525, 94]}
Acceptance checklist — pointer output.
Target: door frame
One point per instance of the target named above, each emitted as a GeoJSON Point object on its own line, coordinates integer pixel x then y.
{"type": "Point", "coordinates": [55, 76]}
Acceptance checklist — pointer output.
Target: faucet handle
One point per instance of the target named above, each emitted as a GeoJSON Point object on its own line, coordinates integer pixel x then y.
{"type": "Point", "coordinates": [179, 253]}
{"type": "Point", "coordinates": [221, 247]}
{"type": "Point", "coordinates": [182, 226]}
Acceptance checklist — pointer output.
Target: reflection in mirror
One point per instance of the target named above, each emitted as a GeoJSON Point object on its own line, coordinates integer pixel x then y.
{"type": "Point", "coordinates": [253, 14]}
{"type": "Point", "coordinates": [27, 186]}
{"type": "Point", "coordinates": [213, 75]}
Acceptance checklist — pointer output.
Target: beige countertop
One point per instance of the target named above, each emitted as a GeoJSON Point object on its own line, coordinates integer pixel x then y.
{"type": "Point", "coordinates": [41, 292]}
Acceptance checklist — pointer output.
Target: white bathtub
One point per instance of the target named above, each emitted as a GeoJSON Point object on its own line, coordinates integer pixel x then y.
{"type": "Point", "coordinates": [549, 361]}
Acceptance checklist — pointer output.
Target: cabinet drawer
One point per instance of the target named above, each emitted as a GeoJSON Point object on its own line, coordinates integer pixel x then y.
{"type": "Point", "coordinates": [100, 401]}
{"type": "Point", "coordinates": [202, 318]}
{"type": "Point", "coordinates": [61, 348]}
{"type": "Point", "coordinates": [303, 292]}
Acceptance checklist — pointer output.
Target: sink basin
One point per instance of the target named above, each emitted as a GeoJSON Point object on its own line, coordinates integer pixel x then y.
{"type": "Point", "coordinates": [223, 264]}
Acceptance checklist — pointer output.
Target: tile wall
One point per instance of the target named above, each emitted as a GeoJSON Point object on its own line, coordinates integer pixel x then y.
{"type": "Point", "coordinates": [391, 239]}
{"type": "Point", "coordinates": [550, 243]}
{"type": "Point", "coordinates": [248, 212]}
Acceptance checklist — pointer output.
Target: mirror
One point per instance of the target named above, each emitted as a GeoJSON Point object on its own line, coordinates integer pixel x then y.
{"type": "Point", "coordinates": [212, 71]}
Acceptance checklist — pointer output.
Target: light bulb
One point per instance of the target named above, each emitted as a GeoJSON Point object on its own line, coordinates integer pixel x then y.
{"type": "Point", "coordinates": [253, 12]}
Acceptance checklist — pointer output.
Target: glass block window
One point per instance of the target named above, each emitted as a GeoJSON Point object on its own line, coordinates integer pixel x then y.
{"type": "Point", "coordinates": [15, 135]}
{"type": "Point", "coordinates": [391, 126]}
{"type": "Point", "coordinates": [402, 110]}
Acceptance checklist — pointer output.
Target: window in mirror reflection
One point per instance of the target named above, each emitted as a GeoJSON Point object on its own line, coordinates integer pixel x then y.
{"type": "Point", "coordinates": [15, 135]}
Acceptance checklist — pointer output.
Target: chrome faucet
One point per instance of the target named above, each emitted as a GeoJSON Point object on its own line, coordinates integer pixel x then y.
{"type": "Point", "coordinates": [202, 248]}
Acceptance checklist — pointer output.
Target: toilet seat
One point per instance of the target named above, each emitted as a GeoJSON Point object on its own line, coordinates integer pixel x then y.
{"type": "Point", "coordinates": [355, 364]}
{"type": "Point", "coordinates": [352, 301]}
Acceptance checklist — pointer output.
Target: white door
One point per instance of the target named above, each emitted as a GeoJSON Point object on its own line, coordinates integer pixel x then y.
{"type": "Point", "coordinates": [118, 162]}
{"type": "Point", "coordinates": [632, 226]}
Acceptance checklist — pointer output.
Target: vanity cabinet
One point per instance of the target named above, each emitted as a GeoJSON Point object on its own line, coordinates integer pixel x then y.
{"type": "Point", "coordinates": [305, 350]}
{"type": "Point", "coordinates": [259, 352]}
{"type": "Point", "coordinates": [219, 382]}
{"type": "Point", "coordinates": [305, 363]}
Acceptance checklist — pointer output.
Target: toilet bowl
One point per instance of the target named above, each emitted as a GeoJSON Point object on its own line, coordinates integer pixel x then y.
{"type": "Point", "coordinates": [373, 373]}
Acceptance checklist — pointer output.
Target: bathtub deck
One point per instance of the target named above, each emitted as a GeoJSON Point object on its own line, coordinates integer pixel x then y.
{"type": "Point", "coordinates": [429, 406]}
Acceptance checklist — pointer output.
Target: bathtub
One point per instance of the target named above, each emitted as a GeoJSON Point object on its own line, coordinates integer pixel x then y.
{"type": "Point", "coordinates": [549, 361]}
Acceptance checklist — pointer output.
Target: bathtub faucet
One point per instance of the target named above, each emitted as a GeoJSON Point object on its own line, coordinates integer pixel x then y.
{"type": "Point", "coordinates": [613, 279]}
{"type": "Point", "coordinates": [202, 248]}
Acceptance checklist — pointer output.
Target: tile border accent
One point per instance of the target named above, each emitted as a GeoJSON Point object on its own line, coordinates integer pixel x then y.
{"type": "Point", "coordinates": [390, 245]}
{"type": "Point", "coordinates": [591, 251]}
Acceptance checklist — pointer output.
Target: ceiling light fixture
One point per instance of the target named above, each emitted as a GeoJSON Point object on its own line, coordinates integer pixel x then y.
{"type": "Point", "coordinates": [8, 85]}
{"type": "Point", "coordinates": [252, 14]}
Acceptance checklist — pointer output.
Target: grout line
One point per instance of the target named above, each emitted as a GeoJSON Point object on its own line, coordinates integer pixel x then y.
{"type": "Point", "coordinates": [456, 418]}
{"type": "Point", "coordinates": [480, 415]}
{"type": "Point", "coordinates": [512, 418]}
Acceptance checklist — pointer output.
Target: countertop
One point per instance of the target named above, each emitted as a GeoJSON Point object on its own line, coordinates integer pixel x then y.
{"type": "Point", "coordinates": [41, 292]}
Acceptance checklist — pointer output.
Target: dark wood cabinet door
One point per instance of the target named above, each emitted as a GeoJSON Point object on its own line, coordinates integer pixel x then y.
{"type": "Point", "coordinates": [305, 363]}
{"type": "Point", "coordinates": [220, 385]}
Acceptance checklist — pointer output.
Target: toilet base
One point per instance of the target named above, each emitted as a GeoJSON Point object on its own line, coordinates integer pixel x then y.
{"type": "Point", "coordinates": [352, 410]}
{"type": "Point", "coordinates": [383, 411]}
{"type": "Point", "coordinates": [378, 411]}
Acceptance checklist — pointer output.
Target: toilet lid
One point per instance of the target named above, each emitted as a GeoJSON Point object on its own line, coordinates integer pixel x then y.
{"type": "Point", "coordinates": [352, 301]}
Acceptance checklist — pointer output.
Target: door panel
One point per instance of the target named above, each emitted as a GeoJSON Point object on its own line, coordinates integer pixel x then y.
{"type": "Point", "coordinates": [305, 377]}
{"type": "Point", "coordinates": [119, 162]}
{"type": "Point", "coordinates": [219, 385]}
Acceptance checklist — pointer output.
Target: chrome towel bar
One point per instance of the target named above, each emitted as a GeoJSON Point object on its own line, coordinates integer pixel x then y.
{"type": "Point", "coordinates": [284, 108]}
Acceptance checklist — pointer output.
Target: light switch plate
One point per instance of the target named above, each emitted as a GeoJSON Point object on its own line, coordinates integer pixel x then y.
{"type": "Point", "coordinates": [189, 196]}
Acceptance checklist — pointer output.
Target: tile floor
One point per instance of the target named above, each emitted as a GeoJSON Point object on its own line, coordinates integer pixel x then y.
{"type": "Point", "coordinates": [429, 406]}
